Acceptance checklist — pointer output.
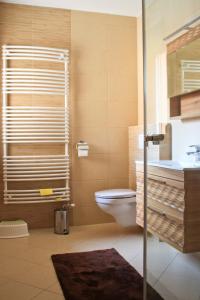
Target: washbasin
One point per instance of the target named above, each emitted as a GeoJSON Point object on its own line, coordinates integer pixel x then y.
{"type": "Point", "coordinates": [177, 165]}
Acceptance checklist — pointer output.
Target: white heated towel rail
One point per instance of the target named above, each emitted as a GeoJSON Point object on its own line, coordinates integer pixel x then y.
{"type": "Point", "coordinates": [35, 125]}
{"type": "Point", "coordinates": [33, 196]}
{"type": "Point", "coordinates": [190, 75]}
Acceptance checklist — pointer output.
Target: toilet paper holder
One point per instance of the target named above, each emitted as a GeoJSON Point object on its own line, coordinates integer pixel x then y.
{"type": "Point", "coordinates": [82, 148]}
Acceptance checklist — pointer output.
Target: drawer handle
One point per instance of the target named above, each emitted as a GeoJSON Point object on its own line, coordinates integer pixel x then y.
{"type": "Point", "coordinates": [157, 211]}
{"type": "Point", "coordinates": [159, 181]}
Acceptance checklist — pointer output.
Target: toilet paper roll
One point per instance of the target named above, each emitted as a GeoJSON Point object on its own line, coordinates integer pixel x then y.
{"type": "Point", "coordinates": [82, 149]}
{"type": "Point", "coordinates": [82, 152]}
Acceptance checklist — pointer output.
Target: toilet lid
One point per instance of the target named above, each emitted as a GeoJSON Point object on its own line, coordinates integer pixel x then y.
{"type": "Point", "coordinates": [115, 193]}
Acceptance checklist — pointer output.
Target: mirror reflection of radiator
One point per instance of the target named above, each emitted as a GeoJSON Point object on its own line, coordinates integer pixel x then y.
{"type": "Point", "coordinates": [38, 126]}
{"type": "Point", "coordinates": [190, 70]}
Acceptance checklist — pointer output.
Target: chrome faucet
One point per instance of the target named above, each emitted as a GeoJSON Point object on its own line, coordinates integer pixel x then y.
{"type": "Point", "coordinates": [196, 153]}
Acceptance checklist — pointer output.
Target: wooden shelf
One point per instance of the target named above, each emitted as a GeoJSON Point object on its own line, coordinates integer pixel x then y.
{"type": "Point", "coordinates": [185, 106]}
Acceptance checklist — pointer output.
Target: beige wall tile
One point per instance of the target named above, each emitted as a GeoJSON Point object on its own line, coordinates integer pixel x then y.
{"type": "Point", "coordinates": [89, 113]}
{"type": "Point", "coordinates": [122, 113]}
{"type": "Point", "coordinates": [83, 191]}
{"type": "Point", "coordinates": [118, 166]}
{"type": "Point", "coordinates": [115, 183]}
{"type": "Point", "coordinates": [121, 48]}
{"type": "Point", "coordinates": [117, 140]}
{"type": "Point", "coordinates": [86, 87]}
{"type": "Point", "coordinates": [96, 137]}
{"type": "Point", "coordinates": [119, 35]}
{"type": "Point", "coordinates": [86, 215]}
{"type": "Point", "coordinates": [94, 37]}
{"type": "Point", "coordinates": [122, 87]}
{"type": "Point", "coordinates": [86, 61]}
{"type": "Point", "coordinates": [95, 166]}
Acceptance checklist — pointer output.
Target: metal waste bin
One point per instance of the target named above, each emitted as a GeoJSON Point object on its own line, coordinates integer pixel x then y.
{"type": "Point", "coordinates": [61, 220]}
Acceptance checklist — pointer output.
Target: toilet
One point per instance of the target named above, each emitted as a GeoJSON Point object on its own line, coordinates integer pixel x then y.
{"type": "Point", "coordinates": [120, 203]}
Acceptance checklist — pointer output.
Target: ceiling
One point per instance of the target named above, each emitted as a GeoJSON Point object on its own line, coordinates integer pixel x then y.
{"type": "Point", "coordinates": [117, 7]}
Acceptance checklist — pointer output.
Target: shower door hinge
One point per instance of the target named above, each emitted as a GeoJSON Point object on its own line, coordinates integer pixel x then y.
{"type": "Point", "coordinates": [154, 138]}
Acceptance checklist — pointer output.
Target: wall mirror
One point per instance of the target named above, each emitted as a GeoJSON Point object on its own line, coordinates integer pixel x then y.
{"type": "Point", "coordinates": [183, 68]}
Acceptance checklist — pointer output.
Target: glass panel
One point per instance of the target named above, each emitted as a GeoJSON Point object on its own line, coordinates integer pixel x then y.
{"type": "Point", "coordinates": [173, 168]}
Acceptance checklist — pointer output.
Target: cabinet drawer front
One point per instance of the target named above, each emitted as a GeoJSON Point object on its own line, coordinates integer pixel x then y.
{"type": "Point", "coordinates": [167, 195]}
{"type": "Point", "coordinates": [140, 214]}
{"type": "Point", "coordinates": [162, 172]}
{"type": "Point", "coordinates": [162, 225]}
{"type": "Point", "coordinates": [165, 227]}
{"type": "Point", "coordinates": [166, 173]}
{"type": "Point", "coordinates": [167, 181]}
{"type": "Point", "coordinates": [173, 214]}
{"type": "Point", "coordinates": [160, 191]}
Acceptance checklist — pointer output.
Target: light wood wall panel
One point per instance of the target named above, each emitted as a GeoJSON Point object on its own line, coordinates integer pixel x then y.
{"type": "Point", "coordinates": [27, 25]}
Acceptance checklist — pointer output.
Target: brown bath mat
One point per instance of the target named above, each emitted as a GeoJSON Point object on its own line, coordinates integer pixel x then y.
{"type": "Point", "coordinates": [99, 275]}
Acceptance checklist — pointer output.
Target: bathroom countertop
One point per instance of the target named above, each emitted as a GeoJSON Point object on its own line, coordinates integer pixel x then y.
{"type": "Point", "coordinates": [174, 165]}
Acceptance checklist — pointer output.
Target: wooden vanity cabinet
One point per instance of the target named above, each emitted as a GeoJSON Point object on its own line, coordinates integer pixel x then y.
{"type": "Point", "coordinates": [173, 205]}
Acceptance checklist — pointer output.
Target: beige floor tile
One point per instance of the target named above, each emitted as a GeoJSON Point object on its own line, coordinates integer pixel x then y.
{"type": "Point", "coordinates": [181, 279]}
{"type": "Point", "coordinates": [27, 273]}
{"type": "Point", "coordinates": [55, 288]}
{"type": "Point", "coordinates": [49, 296]}
{"type": "Point", "coordinates": [129, 246]}
{"type": "Point", "coordinates": [9, 247]}
{"type": "Point", "coordinates": [165, 291]}
{"type": "Point", "coordinates": [30, 254]}
{"type": "Point", "coordinates": [3, 280]}
{"type": "Point", "coordinates": [50, 243]}
{"type": "Point", "coordinates": [17, 291]}
{"type": "Point", "coordinates": [159, 257]}
{"type": "Point", "coordinates": [137, 264]}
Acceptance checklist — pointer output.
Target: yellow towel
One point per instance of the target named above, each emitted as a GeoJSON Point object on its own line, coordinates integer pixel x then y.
{"type": "Point", "coordinates": [58, 199]}
{"type": "Point", "coordinates": [46, 192]}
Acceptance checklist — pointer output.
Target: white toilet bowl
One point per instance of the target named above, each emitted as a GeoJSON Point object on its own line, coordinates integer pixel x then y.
{"type": "Point", "coordinates": [120, 203]}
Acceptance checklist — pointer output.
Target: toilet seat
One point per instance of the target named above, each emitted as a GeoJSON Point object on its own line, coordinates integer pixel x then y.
{"type": "Point", "coordinates": [116, 196]}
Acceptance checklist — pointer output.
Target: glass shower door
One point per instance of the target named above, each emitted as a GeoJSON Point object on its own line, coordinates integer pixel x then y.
{"type": "Point", "coordinates": [171, 166]}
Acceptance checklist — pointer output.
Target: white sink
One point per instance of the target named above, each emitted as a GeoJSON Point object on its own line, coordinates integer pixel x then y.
{"type": "Point", "coordinates": [176, 165]}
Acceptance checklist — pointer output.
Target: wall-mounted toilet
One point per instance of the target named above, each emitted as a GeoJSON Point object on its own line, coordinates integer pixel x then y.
{"type": "Point", "coordinates": [120, 203]}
